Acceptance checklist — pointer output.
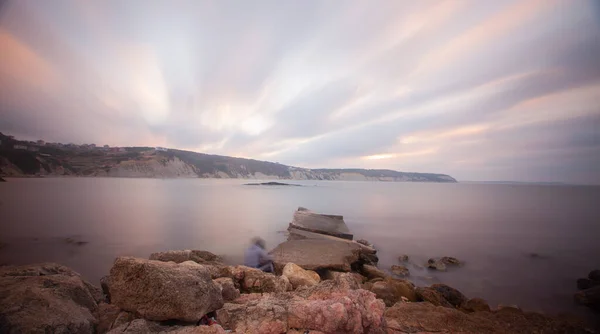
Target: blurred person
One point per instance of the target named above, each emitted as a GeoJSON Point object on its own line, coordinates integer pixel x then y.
{"type": "Point", "coordinates": [257, 257]}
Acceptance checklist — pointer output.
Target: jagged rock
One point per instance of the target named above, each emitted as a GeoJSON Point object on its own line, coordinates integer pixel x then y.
{"type": "Point", "coordinates": [300, 277]}
{"type": "Point", "coordinates": [400, 270]}
{"type": "Point", "coordinates": [44, 298]}
{"type": "Point", "coordinates": [142, 326]}
{"type": "Point", "coordinates": [475, 305]}
{"type": "Point", "coordinates": [179, 256]}
{"type": "Point", "coordinates": [403, 258]}
{"type": "Point", "coordinates": [586, 283]}
{"type": "Point", "coordinates": [453, 296]}
{"type": "Point", "coordinates": [432, 296]}
{"type": "Point", "coordinates": [228, 289]}
{"type": "Point", "coordinates": [349, 311]}
{"type": "Point", "coordinates": [163, 290]}
{"type": "Point", "coordinates": [436, 264]}
{"type": "Point", "coordinates": [317, 254]}
{"type": "Point", "coordinates": [256, 280]}
{"type": "Point", "coordinates": [341, 284]}
{"type": "Point", "coordinates": [373, 272]}
{"type": "Point", "coordinates": [589, 297]}
{"type": "Point", "coordinates": [392, 291]}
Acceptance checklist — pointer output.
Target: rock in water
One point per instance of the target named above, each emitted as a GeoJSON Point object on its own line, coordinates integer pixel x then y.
{"type": "Point", "coordinates": [2, 180]}
{"type": "Point", "coordinates": [401, 271]}
{"type": "Point", "coordinates": [316, 254]}
{"type": "Point", "coordinates": [403, 258]}
{"type": "Point", "coordinates": [163, 290]}
{"type": "Point", "coordinates": [300, 277]}
{"type": "Point", "coordinates": [586, 283]}
{"type": "Point", "coordinates": [179, 256]}
{"type": "Point", "coordinates": [594, 275]}
{"type": "Point", "coordinates": [46, 298]}
{"type": "Point", "coordinates": [448, 260]}
{"type": "Point", "coordinates": [589, 297]}
{"type": "Point", "coordinates": [436, 264]}
{"type": "Point", "coordinates": [453, 296]}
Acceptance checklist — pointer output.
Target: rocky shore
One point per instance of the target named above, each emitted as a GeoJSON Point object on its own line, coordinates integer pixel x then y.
{"type": "Point", "coordinates": [173, 291]}
{"type": "Point", "coordinates": [321, 284]}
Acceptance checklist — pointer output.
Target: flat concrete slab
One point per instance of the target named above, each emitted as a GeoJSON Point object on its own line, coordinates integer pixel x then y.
{"type": "Point", "coordinates": [320, 223]}
{"type": "Point", "coordinates": [316, 254]}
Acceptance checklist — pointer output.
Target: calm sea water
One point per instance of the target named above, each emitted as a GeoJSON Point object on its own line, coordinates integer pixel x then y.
{"type": "Point", "coordinates": [494, 229]}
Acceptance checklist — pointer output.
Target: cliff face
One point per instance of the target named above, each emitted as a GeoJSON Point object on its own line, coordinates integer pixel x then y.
{"type": "Point", "coordinates": [147, 162]}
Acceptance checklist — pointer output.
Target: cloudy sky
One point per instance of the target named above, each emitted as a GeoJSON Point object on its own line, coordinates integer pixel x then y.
{"type": "Point", "coordinates": [480, 90]}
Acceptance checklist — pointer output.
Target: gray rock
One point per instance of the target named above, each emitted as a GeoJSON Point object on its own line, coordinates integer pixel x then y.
{"type": "Point", "coordinates": [163, 290]}
{"type": "Point", "coordinates": [179, 256]}
{"type": "Point", "coordinates": [45, 298]}
{"type": "Point", "coordinates": [316, 254]}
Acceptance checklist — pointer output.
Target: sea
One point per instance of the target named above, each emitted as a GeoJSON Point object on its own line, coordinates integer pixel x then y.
{"type": "Point", "coordinates": [520, 244]}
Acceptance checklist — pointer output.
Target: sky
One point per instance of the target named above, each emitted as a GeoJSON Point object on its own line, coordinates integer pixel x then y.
{"type": "Point", "coordinates": [479, 90]}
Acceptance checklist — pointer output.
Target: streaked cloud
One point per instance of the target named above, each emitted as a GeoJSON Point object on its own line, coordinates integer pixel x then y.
{"type": "Point", "coordinates": [479, 90]}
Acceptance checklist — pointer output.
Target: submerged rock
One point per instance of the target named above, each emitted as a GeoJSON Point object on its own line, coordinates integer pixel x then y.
{"type": "Point", "coordinates": [586, 283]}
{"type": "Point", "coordinates": [436, 264]}
{"type": "Point", "coordinates": [403, 258]}
{"type": "Point", "coordinates": [401, 271]}
{"type": "Point", "coordinates": [46, 298]}
{"type": "Point", "coordinates": [300, 277]}
{"type": "Point", "coordinates": [163, 290]}
{"type": "Point", "coordinates": [273, 184]}
{"type": "Point", "coordinates": [594, 275]}
{"type": "Point", "coordinates": [452, 261]}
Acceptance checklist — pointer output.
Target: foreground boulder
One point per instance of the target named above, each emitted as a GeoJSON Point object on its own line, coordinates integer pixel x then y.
{"type": "Point", "coordinates": [228, 289]}
{"type": "Point", "coordinates": [257, 281]}
{"type": "Point", "coordinates": [431, 296]}
{"type": "Point", "coordinates": [326, 307]}
{"type": "Point", "coordinates": [300, 277]}
{"type": "Point", "coordinates": [453, 296]}
{"type": "Point", "coordinates": [425, 317]}
{"type": "Point", "coordinates": [475, 305]}
{"type": "Point", "coordinates": [46, 298]}
{"type": "Point", "coordinates": [179, 256]}
{"type": "Point", "coordinates": [142, 326]}
{"type": "Point", "coordinates": [163, 290]}
{"type": "Point", "coordinates": [317, 254]}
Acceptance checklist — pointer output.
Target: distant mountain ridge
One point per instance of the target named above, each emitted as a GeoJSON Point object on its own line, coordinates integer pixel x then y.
{"type": "Point", "coordinates": [22, 158]}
